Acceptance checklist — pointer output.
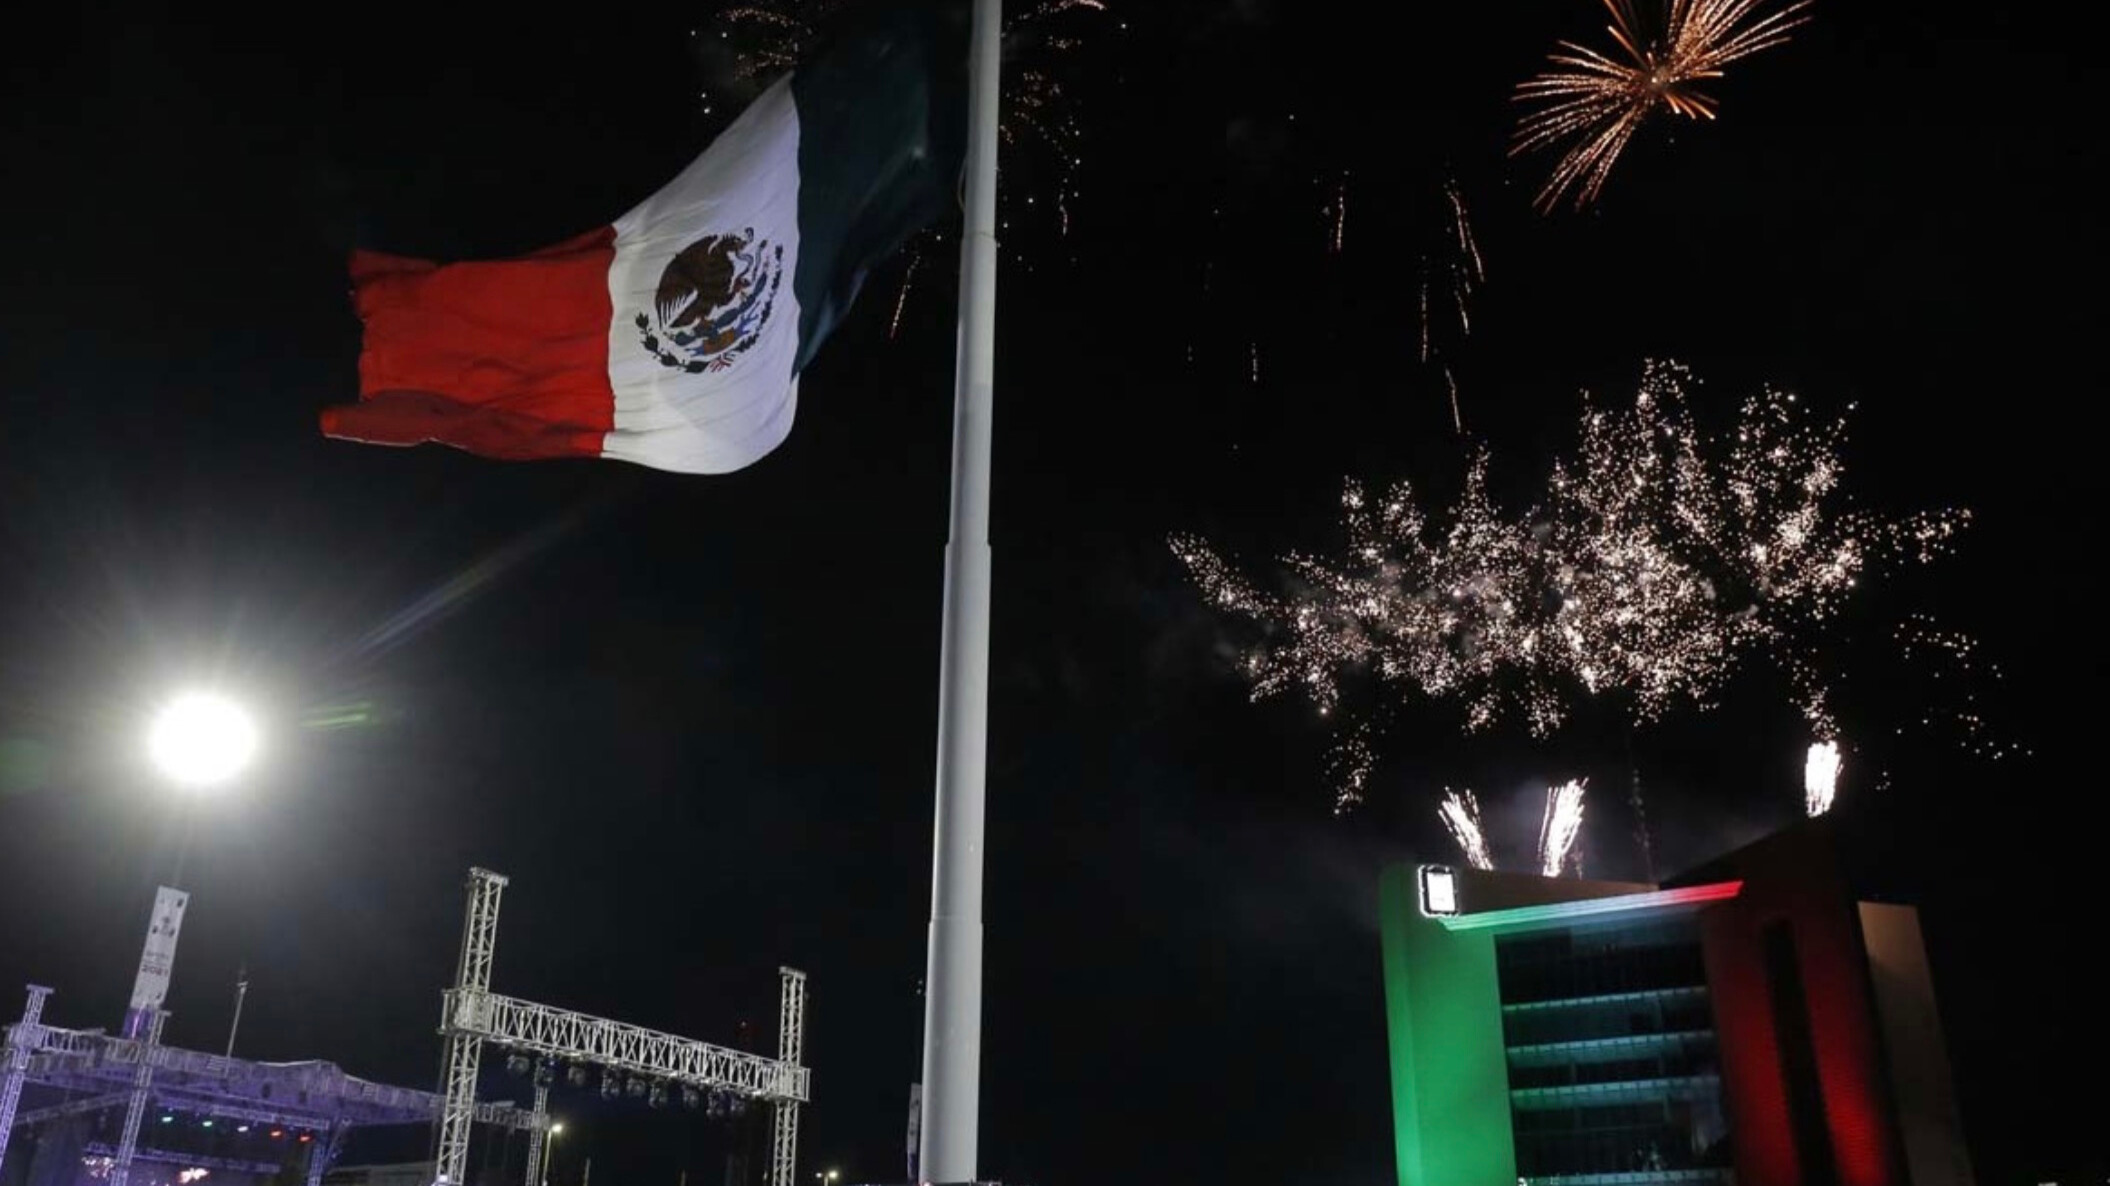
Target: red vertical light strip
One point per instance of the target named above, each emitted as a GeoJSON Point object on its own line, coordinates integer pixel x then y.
{"type": "Point", "coordinates": [1756, 1097]}
{"type": "Point", "coordinates": [1796, 876]}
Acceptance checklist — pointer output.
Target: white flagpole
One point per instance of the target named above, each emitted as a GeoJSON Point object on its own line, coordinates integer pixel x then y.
{"type": "Point", "coordinates": [952, 1003]}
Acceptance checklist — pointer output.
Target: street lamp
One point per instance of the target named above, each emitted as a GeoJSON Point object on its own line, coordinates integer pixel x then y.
{"type": "Point", "coordinates": [200, 740]}
{"type": "Point", "coordinates": [555, 1130]}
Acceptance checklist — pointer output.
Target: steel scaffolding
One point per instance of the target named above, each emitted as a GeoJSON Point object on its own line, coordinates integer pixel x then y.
{"type": "Point", "coordinates": [22, 1039]}
{"type": "Point", "coordinates": [465, 1046]}
{"type": "Point", "coordinates": [471, 1016]}
{"type": "Point", "coordinates": [791, 1046]}
{"type": "Point", "coordinates": [92, 1072]}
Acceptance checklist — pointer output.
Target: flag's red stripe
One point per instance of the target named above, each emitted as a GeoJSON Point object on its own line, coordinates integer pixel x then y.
{"type": "Point", "coordinates": [506, 358]}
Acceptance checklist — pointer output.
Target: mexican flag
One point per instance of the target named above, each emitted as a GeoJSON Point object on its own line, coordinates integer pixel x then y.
{"type": "Point", "coordinates": [675, 336]}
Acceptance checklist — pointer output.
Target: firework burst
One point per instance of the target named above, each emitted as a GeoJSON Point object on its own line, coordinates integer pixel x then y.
{"type": "Point", "coordinates": [1460, 813]}
{"type": "Point", "coordinates": [1589, 103]}
{"type": "Point", "coordinates": [1820, 778]}
{"type": "Point", "coordinates": [1659, 559]}
{"type": "Point", "coordinates": [1560, 826]}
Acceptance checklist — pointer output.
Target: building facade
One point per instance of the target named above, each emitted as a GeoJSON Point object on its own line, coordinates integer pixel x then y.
{"type": "Point", "coordinates": [1750, 1024]}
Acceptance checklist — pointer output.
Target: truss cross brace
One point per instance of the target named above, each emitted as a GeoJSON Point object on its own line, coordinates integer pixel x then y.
{"type": "Point", "coordinates": [14, 1060]}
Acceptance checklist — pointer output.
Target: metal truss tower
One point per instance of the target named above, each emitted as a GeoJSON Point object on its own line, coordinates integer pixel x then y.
{"type": "Point", "coordinates": [465, 1046]}
{"type": "Point", "coordinates": [536, 1135]}
{"type": "Point", "coordinates": [471, 1015]}
{"type": "Point", "coordinates": [791, 1047]}
{"type": "Point", "coordinates": [135, 1110]}
{"type": "Point", "coordinates": [14, 1060]}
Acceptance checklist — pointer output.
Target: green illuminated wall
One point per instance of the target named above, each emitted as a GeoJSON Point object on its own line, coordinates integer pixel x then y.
{"type": "Point", "coordinates": [1450, 1074]}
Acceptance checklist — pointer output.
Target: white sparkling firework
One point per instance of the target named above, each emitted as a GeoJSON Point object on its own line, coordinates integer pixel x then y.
{"type": "Point", "coordinates": [1659, 559]}
{"type": "Point", "coordinates": [1460, 813]}
{"type": "Point", "coordinates": [1820, 778]}
{"type": "Point", "coordinates": [1560, 826]}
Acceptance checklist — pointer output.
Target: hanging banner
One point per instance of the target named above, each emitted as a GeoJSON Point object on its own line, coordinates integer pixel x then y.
{"type": "Point", "coordinates": [158, 958]}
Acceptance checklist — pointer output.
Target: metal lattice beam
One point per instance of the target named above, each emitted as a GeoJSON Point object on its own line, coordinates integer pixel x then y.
{"type": "Point", "coordinates": [577, 1037]}
{"type": "Point", "coordinates": [22, 1038]}
{"type": "Point", "coordinates": [471, 1015]}
{"type": "Point", "coordinates": [234, 1165]}
{"type": "Point", "coordinates": [472, 976]}
{"type": "Point", "coordinates": [534, 1149]}
{"type": "Point", "coordinates": [135, 1111]}
{"type": "Point", "coordinates": [323, 1154]}
{"type": "Point", "coordinates": [69, 1109]}
{"type": "Point", "coordinates": [791, 1048]}
{"type": "Point", "coordinates": [307, 1094]}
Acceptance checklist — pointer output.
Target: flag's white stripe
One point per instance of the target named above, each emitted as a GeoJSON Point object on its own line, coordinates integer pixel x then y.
{"type": "Point", "coordinates": [725, 419]}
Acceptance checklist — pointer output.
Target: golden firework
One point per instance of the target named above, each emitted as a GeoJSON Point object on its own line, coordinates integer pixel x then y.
{"type": "Point", "coordinates": [1589, 103]}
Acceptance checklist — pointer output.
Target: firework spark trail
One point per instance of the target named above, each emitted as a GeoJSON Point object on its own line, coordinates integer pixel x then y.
{"type": "Point", "coordinates": [1462, 227]}
{"type": "Point", "coordinates": [1589, 103]}
{"type": "Point", "coordinates": [1560, 826]}
{"type": "Point", "coordinates": [1957, 665]}
{"type": "Point", "coordinates": [908, 281]}
{"type": "Point", "coordinates": [1658, 561]}
{"type": "Point", "coordinates": [1454, 259]}
{"type": "Point", "coordinates": [1820, 778]}
{"type": "Point", "coordinates": [1461, 815]}
{"type": "Point", "coordinates": [1338, 208]}
{"type": "Point", "coordinates": [1466, 267]}
{"type": "Point", "coordinates": [1424, 318]}
{"type": "Point", "coordinates": [1350, 763]}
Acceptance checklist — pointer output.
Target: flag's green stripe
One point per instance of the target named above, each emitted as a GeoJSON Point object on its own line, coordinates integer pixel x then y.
{"type": "Point", "coordinates": [882, 122]}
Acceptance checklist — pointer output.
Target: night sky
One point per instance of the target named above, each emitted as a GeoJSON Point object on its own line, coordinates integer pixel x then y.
{"type": "Point", "coordinates": [693, 718]}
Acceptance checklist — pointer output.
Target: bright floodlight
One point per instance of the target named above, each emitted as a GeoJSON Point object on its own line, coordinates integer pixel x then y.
{"type": "Point", "coordinates": [1439, 890]}
{"type": "Point", "coordinates": [201, 740]}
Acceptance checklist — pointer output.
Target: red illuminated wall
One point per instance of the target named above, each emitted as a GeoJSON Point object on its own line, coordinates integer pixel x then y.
{"type": "Point", "coordinates": [1795, 877]}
